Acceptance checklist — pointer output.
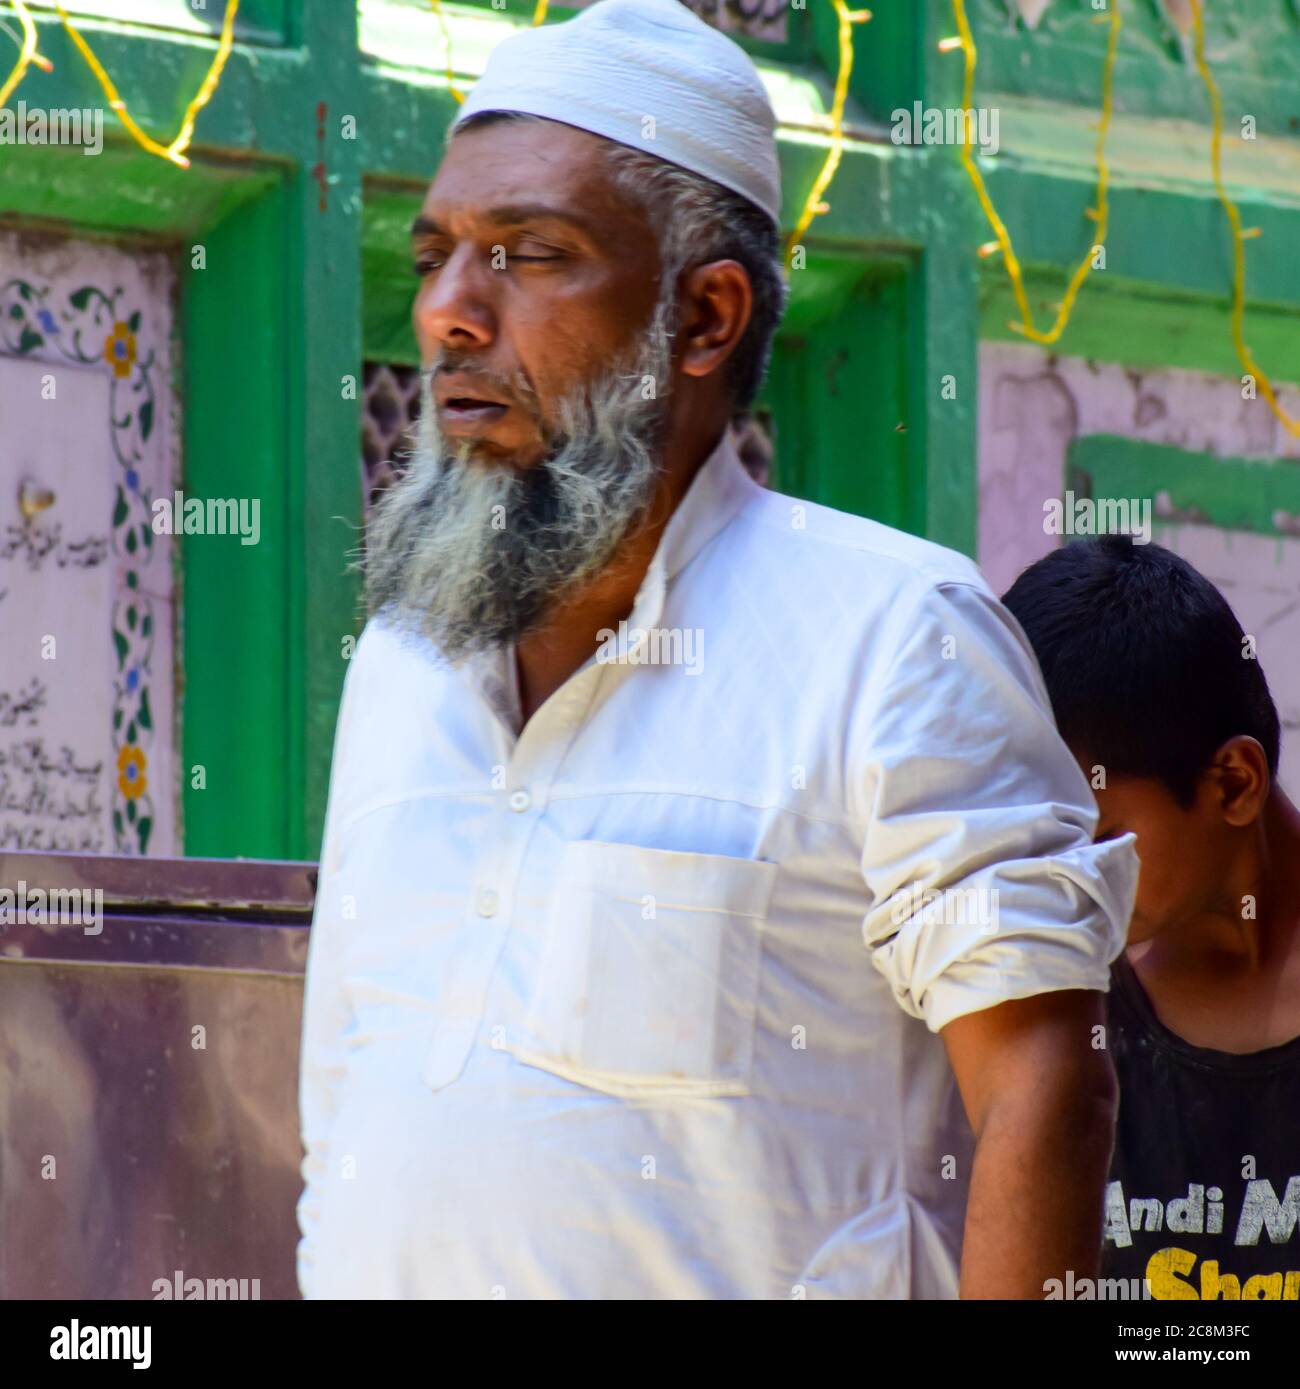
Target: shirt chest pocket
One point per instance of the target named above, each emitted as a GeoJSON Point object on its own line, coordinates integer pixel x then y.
{"type": "Point", "coordinates": [649, 974]}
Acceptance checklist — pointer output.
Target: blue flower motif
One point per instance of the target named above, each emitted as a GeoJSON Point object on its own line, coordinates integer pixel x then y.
{"type": "Point", "coordinates": [133, 479]}
{"type": "Point", "coordinates": [132, 679]}
{"type": "Point", "coordinates": [47, 322]}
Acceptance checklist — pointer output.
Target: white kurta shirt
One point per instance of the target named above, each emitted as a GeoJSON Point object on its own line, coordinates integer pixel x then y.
{"type": "Point", "coordinates": [644, 1001]}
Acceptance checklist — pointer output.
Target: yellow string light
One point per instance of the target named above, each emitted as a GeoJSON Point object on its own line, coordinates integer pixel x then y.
{"type": "Point", "coordinates": [175, 152]}
{"type": "Point", "coordinates": [27, 54]}
{"type": "Point", "coordinates": [814, 205]}
{"type": "Point", "coordinates": [446, 44]}
{"type": "Point", "coordinates": [539, 17]}
{"type": "Point", "coordinates": [967, 43]}
{"type": "Point", "coordinates": [1239, 235]}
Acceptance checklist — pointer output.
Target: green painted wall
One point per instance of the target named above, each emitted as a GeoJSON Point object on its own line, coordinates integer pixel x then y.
{"type": "Point", "coordinates": [306, 275]}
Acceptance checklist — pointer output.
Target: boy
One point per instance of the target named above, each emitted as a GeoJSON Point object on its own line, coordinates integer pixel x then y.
{"type": "Point", "coordinates": [1157, 691]}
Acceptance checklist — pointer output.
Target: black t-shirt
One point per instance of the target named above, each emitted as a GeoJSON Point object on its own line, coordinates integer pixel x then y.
{"type": "Point", "coordinates": [1204, 1192]}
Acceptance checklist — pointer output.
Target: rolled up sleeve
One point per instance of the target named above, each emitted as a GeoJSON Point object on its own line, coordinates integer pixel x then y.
{"type": "Point", "coordinates": [978, 853]}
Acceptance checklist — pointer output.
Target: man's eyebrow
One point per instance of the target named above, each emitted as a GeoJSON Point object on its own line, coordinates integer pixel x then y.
{"type": "Point", "coordinates": [511, 214]}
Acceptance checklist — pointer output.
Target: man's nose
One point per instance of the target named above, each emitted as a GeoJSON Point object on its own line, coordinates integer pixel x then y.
{"type": "Point", "coordinates": [455, 307]}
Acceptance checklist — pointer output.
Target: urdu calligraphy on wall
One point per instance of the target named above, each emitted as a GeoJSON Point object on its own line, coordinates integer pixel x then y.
{"type": "Point", "coordinates": [87, 440]}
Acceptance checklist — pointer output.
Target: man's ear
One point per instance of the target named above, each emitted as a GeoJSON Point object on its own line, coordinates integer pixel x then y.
{"type": "Point", "coordinates": [1240, 774]}
{"type": "Point", "coordinates": [717, 303]}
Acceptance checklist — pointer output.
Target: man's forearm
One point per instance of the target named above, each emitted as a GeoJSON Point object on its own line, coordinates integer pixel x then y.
{"type": "Point", "coordinates": [1037, 1189]}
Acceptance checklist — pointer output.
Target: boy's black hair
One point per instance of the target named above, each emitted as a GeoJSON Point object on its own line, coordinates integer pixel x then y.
{"type": "Point", "coordinates": [1146, 666]}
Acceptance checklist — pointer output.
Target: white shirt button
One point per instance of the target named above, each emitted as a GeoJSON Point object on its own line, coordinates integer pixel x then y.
{"type": "Point", "coordinates": [487, 902]}
{"type": "Point", "coordinates": [520, 800]}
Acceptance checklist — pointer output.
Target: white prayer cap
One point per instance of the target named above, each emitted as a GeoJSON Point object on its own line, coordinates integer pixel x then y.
{"type": "Point", "coordinates": [650, 74]}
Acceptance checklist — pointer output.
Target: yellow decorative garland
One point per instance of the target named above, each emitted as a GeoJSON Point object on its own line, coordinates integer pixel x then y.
{"type": "Point", "coordinates": [175, 152]}
{"type": "Point", "coordinates": [1100, 213]}
{"type": "Point", "coordinates": [1292, 426]}
{"type": "Point", "coordinates": [539, 17]}
{"type": "Point", "coordinates": [814, 205]}
{"type": "Point", "coordinates": [446, 43]}
{"type": "Point", "coordinates": [27, 54]}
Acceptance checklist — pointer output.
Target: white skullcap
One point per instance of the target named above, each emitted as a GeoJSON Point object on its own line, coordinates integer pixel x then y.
{"type": "Point", "coordinates": [623, 61]}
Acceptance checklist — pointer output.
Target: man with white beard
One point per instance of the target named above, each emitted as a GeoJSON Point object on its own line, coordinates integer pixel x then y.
{"type": "Point", "coordinates": [778, 974]}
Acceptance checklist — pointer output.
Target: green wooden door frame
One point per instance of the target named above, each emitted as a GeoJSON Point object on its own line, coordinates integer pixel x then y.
{"type": "Point", "coordinates": [269, 331]}
{"type": "Point", "coordinates": [303, 222]}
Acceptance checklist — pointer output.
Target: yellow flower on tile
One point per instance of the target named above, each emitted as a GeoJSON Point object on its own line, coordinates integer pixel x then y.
{"type": "Point", "coordinates": [130, 772]}
{"type": "Point", "coordinates": [119, 349]}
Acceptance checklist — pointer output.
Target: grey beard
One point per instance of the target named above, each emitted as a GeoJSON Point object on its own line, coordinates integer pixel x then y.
{"type": "Point", "coordinates": [473, 555]}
